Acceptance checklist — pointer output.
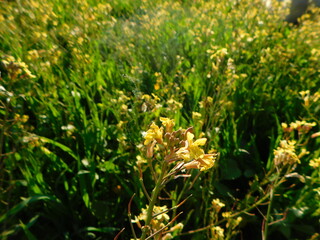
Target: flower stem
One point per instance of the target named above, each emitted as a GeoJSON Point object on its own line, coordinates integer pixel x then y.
{"type": "Point", "coordinates": [154, 197]}
{"type": "Point", "coordinates": [265, 231]}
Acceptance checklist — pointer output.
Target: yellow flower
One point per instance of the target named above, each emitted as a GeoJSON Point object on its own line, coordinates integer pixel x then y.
{"type": "Point", "coordinates": [207, 161]}
{"type": "Point", "coordinates": [157, 222]}
{"type": "Point", "coordinates": [146, 97]}
{"type": "Point", "coordinates": [179, 226]}
{"type": "Point", "coordinates": [154, 133]}
{"type": "Point", "coordinates": [204, 163]}
{"type": "Point", "coordinates": [217, 233]}
{"type": "Point", "coordinates": [141, 160]}
{"type": "Point", "coordinates": [168, 123]}
{"type": "Point", "coordinates": [174, 105]}
{"type": "Point", "coordinates": [196, 116]}
{"type": "Point", "coordinates": [226, 214]}
{"type": "Point", "coordinates": [233, 223]}
{"type": "Point", "coordinates": [298, 125]}
{"type": "Point", "coordinates": [285, 153]}
{"type": "Point", "coordinates": [206, 103]}
{"type": "Point", "coordinates": [167, 236]}
{"type": "Point", "coordinates": [217, 205]}
{"type": "Point", "coordinates": [124, 108]}
{"type": "Point", "coordinates": [191, 150]}
{"type": "Point", "coordinates": [315, 163]}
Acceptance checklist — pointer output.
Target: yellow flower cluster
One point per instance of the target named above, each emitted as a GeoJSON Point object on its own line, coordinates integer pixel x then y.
{"type": "Point", "coordinates": [159, 220]}
{"type": "Point", "coordinates": [315, 163]}
{"type": "Point", "coordinates": [309, 99]}
{"type": "Point", "coordinates": [194, 155]}
{"type": "Point", "coordinates": [150, 103]}
{"type": "Point", "coordinates": [180, 145]}
{"type": "Point", "coordinates": [206, 103]}
{"type": "Point", "coordinates": [217, 233]}
{"type": "Point", "coordinates": [121, 101]}
{"type": "Point", "coordinates": [153, 134]}
{"type": "Point", "coordinates": [285, 153]}
{"type": "Point", "coordinates": [301, 126]}
{"type": "Point", "coordinates": [15, 68]}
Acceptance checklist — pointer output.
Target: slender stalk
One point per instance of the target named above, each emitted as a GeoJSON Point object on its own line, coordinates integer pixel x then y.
{"type": "Point", "coordinates": [266, 223]}
{"type": "Point", "coordinates": [154, 197]}
{"type": "Point", "coordinates": [185, 185]}
{"type": "Point", "coordinates": [129, 215]}
{"type": "Point", "coordinates": [265, 197]}
{"type": "Point", "coordinates": [142, 184]}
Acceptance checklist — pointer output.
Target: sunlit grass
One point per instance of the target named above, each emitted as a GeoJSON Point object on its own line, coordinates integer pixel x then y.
{"type": "Point", "coordinates": [80, 82]}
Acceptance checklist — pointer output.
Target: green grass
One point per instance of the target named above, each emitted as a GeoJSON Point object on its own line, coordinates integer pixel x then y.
{"type": "Point", "coordinates": [104, 70]}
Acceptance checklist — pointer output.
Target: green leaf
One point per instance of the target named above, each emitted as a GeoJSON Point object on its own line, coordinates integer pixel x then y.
{"type": "Point", "coordinates": [17, 208]}
{"type": "Point", "coordinates": [26, 230]}
{"type": "Point", "coordinates": [102, 230]}
{"type": "Point", "coordinates": [109, 166]}
{"type": "Point", "coordinates": [84, 175]}
{"type": "Point", "coordinates": [59, 145]}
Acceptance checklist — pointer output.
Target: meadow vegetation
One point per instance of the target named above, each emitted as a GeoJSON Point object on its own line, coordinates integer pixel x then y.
{"type": "Point", "coordinates": [158, 119]}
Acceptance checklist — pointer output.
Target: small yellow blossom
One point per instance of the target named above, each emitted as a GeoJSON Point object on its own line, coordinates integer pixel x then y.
{"type": "Point", "coordinates": [191, 150]}
{"type": "Point", "coordinates": [16, 68]}
{"type": "Point", "coordinates": [304, 93]}
{"type": "Point", "coordinates": [217, 233]}
{"type": "Point", "coordinates": [22, 119]}
{"type": "Point", "coordinates": [167, 237]}
{"type": "Point", "coordinates": [285, 153]}
{"type": "Point", "coordinates": [168, 123]}
{"type": "Point", "coordinates": [121, 124]}
{"type": "Point", "coordinates": [217, 204]}
{"type": "Point", "coordinates": [302, 125]}
{"type": "Point", "coordinates": [155, 97]}
{"type": "Point", "coordinates": [315, 163]}
{"type": "Point", "coordinates": [174, 105]}
{"type": "Point", "coordinates": [226, 214]}
{"type": "Point", "coordinates": [204, 163]}
{"type": "Point", "coordinates": [176, 227]}
{"type": "Point", "coordinates": [154, 133]}
{"type": "Point", "coordinates": [146, 97]}
{"type": "Point", "coordinates": [158, 221]}
{"type": "Point", "coordinates": [196, 115]}
{"type": "Point", "coordinates": [303, 153]}
{"type": "Point", "coordinates": [206, 103]}
{"type": "Point", "coordinates": [124, 108]}
{"type": "Point", "coordinates": [141, 160]}
{"type": "Point", "coordinates": [306, 97]}
{"type": "Point", "coordinates": [233, 223]}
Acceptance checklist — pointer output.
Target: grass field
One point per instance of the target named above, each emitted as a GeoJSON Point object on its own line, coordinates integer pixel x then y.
{"type": "Point", "coordinates": [158, 119]}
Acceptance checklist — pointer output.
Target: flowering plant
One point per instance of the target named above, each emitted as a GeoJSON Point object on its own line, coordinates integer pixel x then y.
{"type": "Point", "coordinates": [170, 153]}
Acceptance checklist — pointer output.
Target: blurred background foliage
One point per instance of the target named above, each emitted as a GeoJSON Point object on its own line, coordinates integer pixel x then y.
{"type": "Point", "coordinates": [81, 80]}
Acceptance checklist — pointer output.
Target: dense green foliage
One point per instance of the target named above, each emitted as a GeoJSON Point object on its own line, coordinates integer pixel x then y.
{"type": "Point", "coordinates": [81, 80]}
